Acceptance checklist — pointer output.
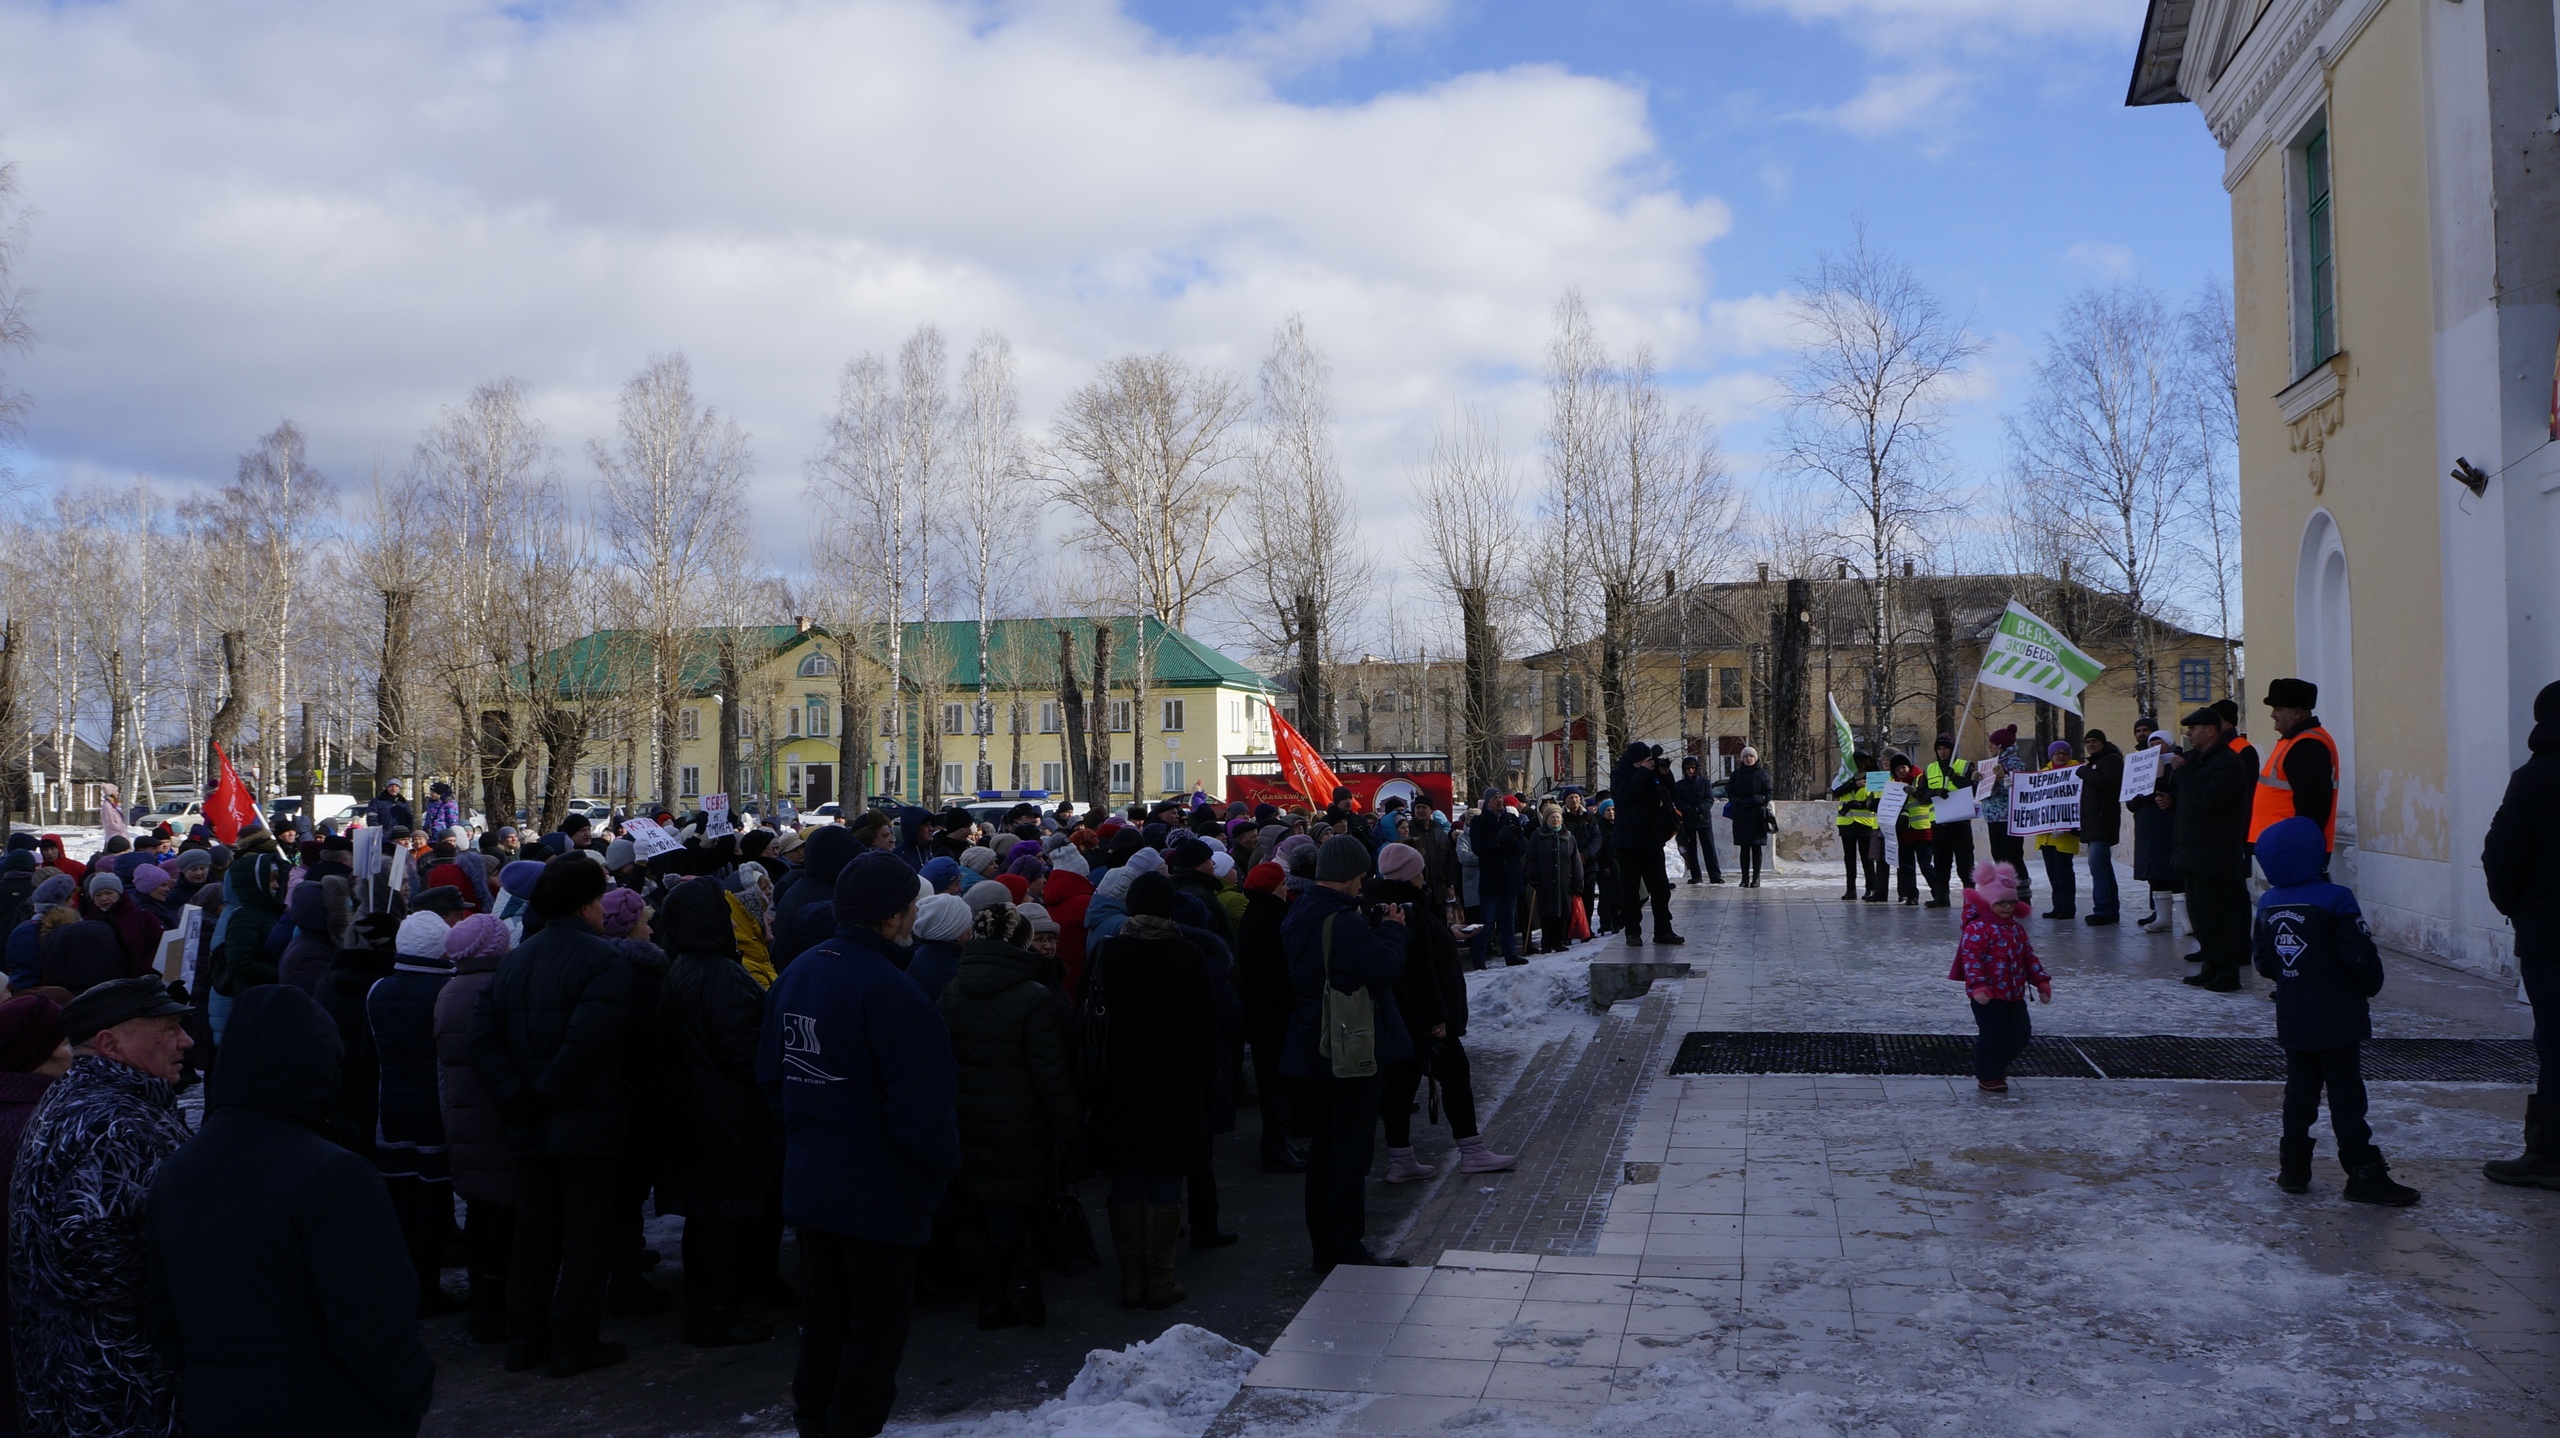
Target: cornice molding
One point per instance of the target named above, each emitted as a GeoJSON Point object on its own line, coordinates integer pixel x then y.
{"type": "Point", "coordinates": [2269, 65]}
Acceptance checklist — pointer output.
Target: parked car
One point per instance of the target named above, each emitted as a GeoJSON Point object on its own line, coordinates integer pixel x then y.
{"type": "Point", "coordinates": [324, 806]}
{"type": "Point", "coordinates": [179, 814]}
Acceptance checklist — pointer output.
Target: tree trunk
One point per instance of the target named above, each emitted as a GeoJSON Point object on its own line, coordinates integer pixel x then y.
{"type": "Point", "coordinates": [224, 732]}
{"type": "Point", "coordinates": [1482, 753]}
{"type": "Point", "coordinates": [853, 744]}
{"type": "Point", "coordinates": [563, 734]}
{"type": "Point", "coordinates": [732, 686]}
{"type": "Point", "coordinates": [1616, 605]}
{"type": "Point", "coordinates": [1071, 726]}
{"type": "Point", "coordinates": [1790, 734]}
{"type": "Point", "coordinates": [19, 791]}
{"type": "Point", "coordinates": [390, 696]}
{"type": "Point", "coordinates": [1099, 722]}
{"type": "Point", "coordinates": [1309, 635]}
{"type": "Point", "coordinates": [310, 776]}
{"type": "Point", "coordinates": [498, 753]}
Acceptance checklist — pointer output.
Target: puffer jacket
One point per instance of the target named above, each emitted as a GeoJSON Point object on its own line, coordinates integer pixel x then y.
{"type": "Point", "coordinates": [476, 1147]}
{"type": "Point", "coordinates": [720, 1145]}
{"type": "Point", "coordinates": [2521, 856]}
{"type": "Point", "coordinates": [547, 1039]}
{"type": "Point", "coordinates": [1995, 954]}
{"type": "Point", "coordinates": [79, 1259]}
{"type": "Point", "coordinates": [805, 914]}
{"type": "Point", "coordinates": [1555, 871]}
{"type": "Point", "coordinates": [1432, 993]}
{"type": "Point", "coordinates": [1019, 1113]}
{"type": "Point", "coordinates": [409, 1138]}
{"type": "Point", "coordinates": [1160, 1050]}
{"type": "Point", "coordinates": [252, 905]}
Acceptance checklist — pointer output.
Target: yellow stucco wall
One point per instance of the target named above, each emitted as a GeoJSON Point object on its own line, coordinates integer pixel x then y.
{"type": "Point", "coordinates": [2381, 478]}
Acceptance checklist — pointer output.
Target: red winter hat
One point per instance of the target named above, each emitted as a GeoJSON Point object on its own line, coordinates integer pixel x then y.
{"type": "Point", "coordinates": [1265, 878]}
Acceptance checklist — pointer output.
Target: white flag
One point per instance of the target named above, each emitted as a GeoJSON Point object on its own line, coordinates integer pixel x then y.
{"type": "Point", "coordinates": [2028, 656]}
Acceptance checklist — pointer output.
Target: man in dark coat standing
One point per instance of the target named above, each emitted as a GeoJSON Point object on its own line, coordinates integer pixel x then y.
{"type": "Point", "coordinates": [2101, 822]}
{"type": "Point", "coordinates": [858, 1062]}
{"type": "Point", "coordinates": [547, 1041]}
{"type": "Point", "coordinates": [386, 810]}
{"type": "Point", "coordinates": [281, 1287]}
{"type": "Point", "coordinates": [2209, 793]}
{"type": "Point", "coordinates": [2521, 860]}
{"type": "Point", "coordinates": [719, 1145]}
{"type": "Point", "coordinates": [1646, 818]}
{"type": "Point", "coordinates": [1343, 1092]}
{"type": "Point", "coordinates": [1499, 844]}
{"type": "Point", "coordinates": [803, 912]}
{"type": "Point", "coordinates": [1695, 793]}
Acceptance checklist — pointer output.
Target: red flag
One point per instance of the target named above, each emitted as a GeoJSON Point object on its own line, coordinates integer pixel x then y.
{"type": "Point", "coordinates": [232, 805]}
{"type": "Point", "coordinates": [1301, 765]}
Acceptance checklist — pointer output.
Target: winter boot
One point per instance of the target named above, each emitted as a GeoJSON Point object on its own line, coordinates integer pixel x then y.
{"type": "Point", "coordinates": [1665, 936]}
{"type": "Point", "coordinates": [2369, 1181]}
{"type": "Point", "coordinates": [2293, 1173]}
{"type": "Point", "coordinates": [1162, 1233]}
{"type": "Point", "coordinates": [2539, 1167]}
{"type": "Point", "coordinates": [1474, 1157]}
{"type": "Point", "coordinates": [1129, 1241]}
{"type": "Point", "coordinates": [1851, 896]}
{"type": "Point", "coordinates": [1635, 937]}
{"type": "Point", "coordinates": [1401, 1167]}
{"type": "Point", "coordinates": [1278, 1156]}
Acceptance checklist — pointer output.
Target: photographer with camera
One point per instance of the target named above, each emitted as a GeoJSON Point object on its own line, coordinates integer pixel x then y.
{"type": "Point", "coordinates": [1432, 994]}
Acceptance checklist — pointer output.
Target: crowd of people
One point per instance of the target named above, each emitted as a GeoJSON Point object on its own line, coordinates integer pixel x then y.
{"type": "Point", "coordinates": [910, 1039]}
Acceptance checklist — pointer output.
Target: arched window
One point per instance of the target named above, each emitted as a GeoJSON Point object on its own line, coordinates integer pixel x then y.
{"type": "Point", "coordinates": [2324, 647]}
{"type": "Point", "coordinates": [817, 666]}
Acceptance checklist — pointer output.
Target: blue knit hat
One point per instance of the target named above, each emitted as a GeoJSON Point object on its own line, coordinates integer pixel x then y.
{"type": "Point", "coordinates": [875, 886]}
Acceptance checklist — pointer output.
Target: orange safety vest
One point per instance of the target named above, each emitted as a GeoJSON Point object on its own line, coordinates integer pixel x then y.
{"type": "Point", "coordinates": [2275, 793]}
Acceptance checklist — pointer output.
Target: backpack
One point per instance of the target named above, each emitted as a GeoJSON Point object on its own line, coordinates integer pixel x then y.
{"type": "Point", "coordinates": [1347, 1028]}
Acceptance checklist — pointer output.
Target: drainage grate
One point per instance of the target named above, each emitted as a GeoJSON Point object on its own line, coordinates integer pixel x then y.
{"type": "Point", "coordinates": [2148, 1056]}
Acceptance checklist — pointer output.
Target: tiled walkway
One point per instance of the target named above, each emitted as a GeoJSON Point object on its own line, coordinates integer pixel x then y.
{"type": "Point", "coordinates": [1860, 1255]}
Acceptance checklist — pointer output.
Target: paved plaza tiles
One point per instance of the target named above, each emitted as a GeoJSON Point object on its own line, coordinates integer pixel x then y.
{"type": "Point", "coordinates": [1816, 1255]}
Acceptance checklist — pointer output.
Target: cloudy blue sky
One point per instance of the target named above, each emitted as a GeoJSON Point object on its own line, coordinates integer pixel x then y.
{"type": "Point", "coordinates": [350, 214]}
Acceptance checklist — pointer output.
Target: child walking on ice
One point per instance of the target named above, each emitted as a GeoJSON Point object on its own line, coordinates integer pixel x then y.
{"type": "Point", "coordinates": [2312, 940]}
{"type": "Point", "coordinates": [1997, 966]}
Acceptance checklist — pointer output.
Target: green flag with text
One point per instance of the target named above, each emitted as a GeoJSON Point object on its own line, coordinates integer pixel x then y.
{"type": "Point", "coordinates": [2027, 656]}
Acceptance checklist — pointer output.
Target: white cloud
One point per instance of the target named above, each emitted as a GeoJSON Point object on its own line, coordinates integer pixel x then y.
{"type": "Point", "coordinates": [1313, 32]}
{"type": "Point", "coordinates": [1954, 24]}
{"type": "Point", "coordinates": [1896, 103]}
{"type": "Point", "coordinates": [2098, 259]}
{"type": "Point", "coordinates": [1931, 56]}
{"type": "Point", "coordinates": [350, 214]}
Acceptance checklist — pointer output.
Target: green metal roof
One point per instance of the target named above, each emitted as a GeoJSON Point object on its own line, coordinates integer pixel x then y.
{"type": "Point", "coordinates": [1016, 648]}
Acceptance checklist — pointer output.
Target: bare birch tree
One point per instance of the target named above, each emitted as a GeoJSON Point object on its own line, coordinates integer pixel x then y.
{"type": "Point", "coordinates": [668, 500]}
{"type": "Point", "coordinates": [276, 504]}
{"type": "Point", "coordinates": [2106, 443]}
{"type": "Point", "coordinates": [1471, 511]}
{"type": "Point", "coordinates": [862, 548]}
{"type": "Point", "coordinates": [1144, 457]}
{"type": "Point", "coordinates": [1577, 460]}
{"type": "Point", "coordinates": [991, 516]}
{"type": "Point", "coordinates": [1866, 395]}
{"type": "Point", "coordinates": [1301, 532]}
{"type": "Point", "coordinates": [2213, 519]}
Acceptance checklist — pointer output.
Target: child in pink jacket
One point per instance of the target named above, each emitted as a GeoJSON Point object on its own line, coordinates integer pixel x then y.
{"type": "Point", "coordinates": [1997, 966]}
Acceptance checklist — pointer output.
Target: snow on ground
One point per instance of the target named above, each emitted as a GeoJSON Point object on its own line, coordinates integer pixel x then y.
{"type": "Point", "coordinates": [1169, 1387]}
{"type": "Point", "coordinates": [78, 842]}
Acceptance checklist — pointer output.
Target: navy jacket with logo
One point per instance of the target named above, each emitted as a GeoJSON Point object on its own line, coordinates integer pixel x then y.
{"type": "Point", "coordinates": [2312, 940]}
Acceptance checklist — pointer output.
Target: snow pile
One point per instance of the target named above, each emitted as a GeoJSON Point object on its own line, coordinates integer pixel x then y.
{"type": "Point", "coordinates": [1169, 1387]}
{"type": "Point", "coordinates": [1530, 999]}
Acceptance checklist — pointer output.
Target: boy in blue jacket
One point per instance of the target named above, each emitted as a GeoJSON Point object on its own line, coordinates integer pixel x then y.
{"type": "Point", "coordinates": [2312, 941]}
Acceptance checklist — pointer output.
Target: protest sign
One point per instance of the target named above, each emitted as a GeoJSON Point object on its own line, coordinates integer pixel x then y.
{"type": "Point", "coordinates": [715, 808]}
{"type": "Point", "coordinates": [176, 959]}
{"type": "Point", "coordinates": [2044, 803]}
{"type": "Point", "coordinates": [2141, 774]}
{"type": "Point", "coordinates": [1956, 808]}
{"type": "Point", "coordinates": [1889, 802]}
{"type": "Point", "coordinates": [649, 838]}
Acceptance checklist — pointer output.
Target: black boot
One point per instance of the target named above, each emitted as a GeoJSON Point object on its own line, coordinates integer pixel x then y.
{"type": "Point", "coordinates": [2539, 1167]}
{"type": "Point", "coordinates": [2369, 1181]}
{"type": "Point", "coordinates": [2294, 1172]}
{"type": "Point", "coordinates": [1279, 1157]}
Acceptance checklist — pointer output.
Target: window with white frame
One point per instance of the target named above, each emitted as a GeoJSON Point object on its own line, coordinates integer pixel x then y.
{"type": "Point", "coordinates": [599, 783]}
{"type": "Point", "coordinates": [891, 778]}
{"type": "Point", "coordinates": [1174, 783]}
{"type": "Point", "coordinates": [1049, 716]}
{"type": "Point", "coordinates": [1053, 775]}
{"type": "Point", "coordinates": [688, 724]}
{"type": "Point", "coordinates": [821, 717]}
{"type": "Point", "coordinates": [1121, 715]}
{"type": "Point", "coordinates": [955, 778]}
{"type": "Point", "coordinates": [1173, 711]}
{"type": "Point", "coordinates": [791, 778]}
{"type": "Point", "coordinates": [1124, 776]}
{"type": "Point", "coordinates": [953, 717]}
{"type": "Point", "coordinates": [2315, 270]}
{"type": "Point", "coordinates": [791, 722]}
{"type": "Point", "coordinates": [888, 719]}
{"type": "Point", "coordinates": [689, 779]}
{"type": "Point", "coordinates": [817, 666]}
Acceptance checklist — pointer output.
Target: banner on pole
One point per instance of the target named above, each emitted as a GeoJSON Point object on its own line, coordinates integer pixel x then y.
{"type": "Point", "coordinates": [232, 807]}
{"type": "Point", "coordinates": [1848, 742]}
{"type": "Point", "coordinates": [2028, 656]}
{"type": "Point", "coordinates": [2044, 803]}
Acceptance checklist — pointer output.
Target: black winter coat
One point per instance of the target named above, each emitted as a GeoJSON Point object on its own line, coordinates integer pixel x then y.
{"type": "Point", "coordinates": [1555, 871]}
{"type": "Point", "coordinates": [720, 1144]}
{"type": "Point", "coordinates": [830, 848]}
{"type": "Point", "coordinates": [341, 993]}
{"type": "Point", "coordinates": [1499, 844]}
{"type": "Point", "coordinates": [475, 1136]}
{"type": "Point", "coordinates": [2101, 780]}
{"type": "Point", "coordinates": [280, 1285]}
{"type": "Point", "coordinates": [2521, 857]}
{"type": "Point", "coordinates": [1160, 1049]}
{"type": "Point", "coordinates": [1645, 816]}
{"type": "Point", "coordinates": [1262, 972]}
{"type": "Point", "coordinates": [547, 1040]}
{"type": "Point", "coordinates": [2212, 791]}
{"type": "Point", "coordinates": [1018, 1105]}
{"type": "Point", "coordinates": [1207, 889]}
{"type": "Point", "coordinates": [1696, 796]}
{"type": "Point", "coordinates": [1747, 790]}
{"type": "Point", "coordinates": [642, 1080]}
{"type": "Point", "coordinates": [401, 1014]}
{"type": "Point", "coordinates": [1432, 991]}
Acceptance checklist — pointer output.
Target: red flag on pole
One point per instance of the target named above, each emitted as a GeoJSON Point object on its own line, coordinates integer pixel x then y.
{"type": "Point", "coordinates": [1301, 765]}
{"type": "Point", "coordinates": [232, 805]}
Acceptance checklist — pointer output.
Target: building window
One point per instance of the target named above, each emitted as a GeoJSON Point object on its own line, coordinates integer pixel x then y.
{"type": "Point", "coordinates": [1124, 776]}
{"type": "Point", "coordinates": [1728, 689]}
{"type": "Point", "coordinates": [791, 778]}
{"type": "Point", "coordinates": [2315, 291]}
{"type": "Point", "coordinates": [599, 782]}
{"type": "Point", "coordinates": [821, 718]}
{"type": "Point", "coordinates": [888, 718]}
{"type": "Point", "coordinates": [2195, 681]}
{"type": "Point", "coordinates": [1386, 701]}
{"type": "Point", "coordinates": [1173, 716]}
{"type": "Point", "coordinates": [746, 724]}
{"type": "Point", "coordinates": [953, 716]}
{"type": "Point", "coordinates": [891, 778]}
{"type": "Point", "coordinates": [954, 778]}
{"type": "Point", "coordinates": [689, 779]}
{"type": "Point", "coordinates": [1288, 709]}
{"type": "Point", "coordinates": [1053, 775]}
{"type": "Point", "coordinates": [817, 666]}
{"type": "Point", "coordinates": [1173, 780]}
{"type": "Point", "coordinates": [1120, 716]}
{"type": "Point", "coordinates": [791, 722]}
{"type": "Point", "coordinates": [1049, 716]}
{"type": "Point", "coordinates": [1693, 687]}
{"type": "Point", "coordinates": [688, 724]}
